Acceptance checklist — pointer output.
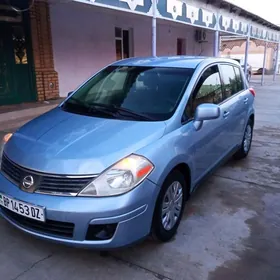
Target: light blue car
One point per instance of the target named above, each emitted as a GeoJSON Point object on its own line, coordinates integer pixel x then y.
{"type": "Point", "coordinates": [118, 159]}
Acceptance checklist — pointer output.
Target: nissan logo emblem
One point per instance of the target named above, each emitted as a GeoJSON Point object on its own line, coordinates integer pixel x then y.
{"type": "Point", "coordinates": [28, 182]}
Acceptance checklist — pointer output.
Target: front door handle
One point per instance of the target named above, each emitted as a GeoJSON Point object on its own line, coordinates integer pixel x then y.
{"type": "Point", "coordinates": [226, 113]}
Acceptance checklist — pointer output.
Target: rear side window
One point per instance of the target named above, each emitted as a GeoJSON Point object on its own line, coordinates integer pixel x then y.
{"type": "Point", "coordinates": [239, 79]}
{"type": "Point", "coordinates": [231, 81]}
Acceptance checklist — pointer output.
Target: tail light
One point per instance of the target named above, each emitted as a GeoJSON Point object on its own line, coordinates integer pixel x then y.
{"type": "Point", "coordinates": [252, 91]}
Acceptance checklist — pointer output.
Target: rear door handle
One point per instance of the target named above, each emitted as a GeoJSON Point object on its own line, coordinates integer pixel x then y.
{"type": "Point", "coordinates": [226, 113]}
{"type": "Point", "coordinates": [246, 100]}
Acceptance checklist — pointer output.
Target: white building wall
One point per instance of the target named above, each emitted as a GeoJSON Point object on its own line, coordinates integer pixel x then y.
{"type": "Point", "coordinates": [168, 32]}
{"type": "Point", "coordinates": [84, 40]}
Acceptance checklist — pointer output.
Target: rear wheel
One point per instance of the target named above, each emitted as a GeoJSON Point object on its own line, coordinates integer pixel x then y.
{"type": "Point", "coordinates": [169, 207]}
{"type": "Point", "coordinates": [246, 143]}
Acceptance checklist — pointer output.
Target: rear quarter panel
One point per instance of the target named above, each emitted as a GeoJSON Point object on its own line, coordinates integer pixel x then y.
{"type": "Point", "coordinates": [251, 103]}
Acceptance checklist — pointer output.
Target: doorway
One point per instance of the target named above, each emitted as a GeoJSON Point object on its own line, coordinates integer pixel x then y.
{"type": "Point", "coordinates": [181, 46]}
{"type": "Point", "coordinates": [16, 64]}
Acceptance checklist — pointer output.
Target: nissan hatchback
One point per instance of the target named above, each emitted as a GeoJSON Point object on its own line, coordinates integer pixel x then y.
{"type": "Point", "coordinates": [119, 157]}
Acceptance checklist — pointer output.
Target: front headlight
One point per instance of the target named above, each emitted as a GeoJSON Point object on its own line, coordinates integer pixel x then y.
{"type": "Point", "coordinates": [4, 141]}
{"type": "Point", "coordinates": [120, 178]}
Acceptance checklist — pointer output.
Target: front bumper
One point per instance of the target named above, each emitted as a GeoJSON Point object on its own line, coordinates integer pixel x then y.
{"type": "Point", "coordinates": [132, 214]}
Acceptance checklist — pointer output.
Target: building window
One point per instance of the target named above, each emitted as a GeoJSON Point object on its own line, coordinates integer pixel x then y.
{"type": "Point", "coordinates": [181, 46]}
{"type": "Point", "coordinates": [122, 43]}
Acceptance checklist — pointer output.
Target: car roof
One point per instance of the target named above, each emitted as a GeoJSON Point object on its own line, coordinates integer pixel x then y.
{"type": "Point", "coordinates": [172, 61]}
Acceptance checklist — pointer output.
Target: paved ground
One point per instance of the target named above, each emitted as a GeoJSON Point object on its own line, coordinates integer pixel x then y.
{"type": "Point", "coordinates": [268, 79]}
{"type": "Point", "coordinates": [230, 229]}
{"type": "Point", "coordinates": [25, 106]}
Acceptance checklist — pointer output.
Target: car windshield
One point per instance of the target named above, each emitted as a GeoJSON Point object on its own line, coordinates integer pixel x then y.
{"type": "Point", "coordinates": [129, 92]}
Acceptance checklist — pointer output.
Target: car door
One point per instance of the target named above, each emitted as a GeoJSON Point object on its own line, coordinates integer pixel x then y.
{"type": "Point", "coordinates": [208, 144]}
{"type": "Point", "coordinates": [234, 104]}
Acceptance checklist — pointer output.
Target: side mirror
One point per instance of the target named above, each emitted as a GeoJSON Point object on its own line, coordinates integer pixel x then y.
{"type": "Point", "coordinates": [69, 93]}
{"type": "Point", "coordinates": [205, 112]}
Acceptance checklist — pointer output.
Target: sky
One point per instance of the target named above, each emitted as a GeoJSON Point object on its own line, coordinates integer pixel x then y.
{"type": "Point", "coordinates": [267, 9]}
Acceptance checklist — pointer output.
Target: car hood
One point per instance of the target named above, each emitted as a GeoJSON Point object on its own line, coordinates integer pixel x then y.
{"type": "Point", "coordinates": [59, 142]}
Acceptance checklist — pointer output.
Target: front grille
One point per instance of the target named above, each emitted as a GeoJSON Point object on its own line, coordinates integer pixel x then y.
{"type": "Point", "coordinates": [55, 228]}
{"type": "Point", "coordinates": [11, 170]}
{"type": "Point", "coordinates": [45, 183]}
{"type": "Point", "coordinates": [62, 185]}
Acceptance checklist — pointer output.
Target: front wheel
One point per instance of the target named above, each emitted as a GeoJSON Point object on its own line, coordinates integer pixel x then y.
{"type": "Point", "coordinates": [169, 207]}
{"type": "Point", "coordinates": [246, 143]}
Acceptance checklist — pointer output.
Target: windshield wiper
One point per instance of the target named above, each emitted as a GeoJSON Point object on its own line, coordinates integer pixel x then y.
{"type": "Point", "coordinates": [89, 109]}
{"type": "Point", "coordinates": [122, 111]}
{"type": "Point", "coordinates": [132, 113]}
{"type": "Point", "coordinates": [110, 110]}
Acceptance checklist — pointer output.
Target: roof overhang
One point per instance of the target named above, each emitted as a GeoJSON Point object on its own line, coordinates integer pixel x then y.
{"type": "Point", "coordinates": [213, 15]}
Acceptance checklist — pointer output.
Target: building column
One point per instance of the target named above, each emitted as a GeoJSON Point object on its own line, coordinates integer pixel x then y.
{"type": "Point", "coordinates": [216, 44]}
{"type": "Point", "coordinates": [276, 62]}
{"type": "Point", "coordinates": [154, 28]}
{"type": "Point", "coordinates": [264, 63]}
{"type": "Point", "coordinates": [246, 53]}
{"type": "Point", "coordinates": [46, 76]}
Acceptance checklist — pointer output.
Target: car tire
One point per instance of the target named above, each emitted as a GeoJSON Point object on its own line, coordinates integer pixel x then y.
{"type": "Point", "coordinates": [246, 142]}
{"type": "Point", "coordinates": [169, 207]}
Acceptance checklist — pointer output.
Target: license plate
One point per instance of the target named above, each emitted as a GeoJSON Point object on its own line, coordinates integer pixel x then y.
{"type": "Point", "coordinates": [22, 208]}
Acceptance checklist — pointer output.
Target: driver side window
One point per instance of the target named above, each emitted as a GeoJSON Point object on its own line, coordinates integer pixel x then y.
{"type": "Point", "coordinates": [208, 90]}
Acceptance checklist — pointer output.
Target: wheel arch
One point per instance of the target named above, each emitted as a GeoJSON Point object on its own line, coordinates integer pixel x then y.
{"type": "Point", "coordinates": [252, 118]}
{"type": "Point", "coordinates": [186, 172]}
{"type": "Point", "coordinates": [183, 168]}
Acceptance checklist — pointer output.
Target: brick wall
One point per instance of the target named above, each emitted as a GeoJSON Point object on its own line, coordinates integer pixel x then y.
{"type": "Point", "coordinates": [46, 76]}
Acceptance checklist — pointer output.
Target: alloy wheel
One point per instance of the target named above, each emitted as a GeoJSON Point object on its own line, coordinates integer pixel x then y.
{"type": "Point", "coordinates": [172, 205]}
{"type": "Point", "coordinates": [247, 138]}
